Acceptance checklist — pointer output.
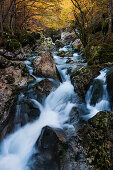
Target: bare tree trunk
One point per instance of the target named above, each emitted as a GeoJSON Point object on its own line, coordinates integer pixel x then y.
{"type": "Point", "coordinates": [110, 17]}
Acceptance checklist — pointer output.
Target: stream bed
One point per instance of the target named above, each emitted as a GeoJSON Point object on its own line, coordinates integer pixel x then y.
{"type": "Point", "coordinates": [17, 149]}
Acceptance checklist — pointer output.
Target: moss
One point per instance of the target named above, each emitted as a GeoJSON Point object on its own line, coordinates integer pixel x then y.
{"type": "Point", "coordinates": [109, 72]}
{"type": "Point", "coordinates": [97, 136]}
{"type": "Point", "coordinates": [11, 44]}
{"type": "Point", "coordinates": [102, 54]}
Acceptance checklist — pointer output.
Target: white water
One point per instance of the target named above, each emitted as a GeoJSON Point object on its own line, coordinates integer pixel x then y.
{"type": "Point", "coordinates": [103, 103]}
{"type": "Point", "coordinates": [17, 148]}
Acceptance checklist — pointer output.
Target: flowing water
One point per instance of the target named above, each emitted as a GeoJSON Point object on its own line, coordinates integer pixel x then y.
{"type": "Point", "coordinates": [97, 98]}
{"type": "Point", "coordinates": [17, 148]}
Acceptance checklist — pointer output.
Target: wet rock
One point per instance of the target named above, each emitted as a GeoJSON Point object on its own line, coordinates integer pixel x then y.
{"type": "Point", "coordinates": [77, 45]}
{"type": "Point", "coordinates": [12, 79]}
{"type": "Point", "coordinates": [43, 88]}
{"type": "Point", "coordinates": [65, 53]}
{"type": "Point", "coordinates": [43, 45]}
{"type": "Point", "coordinates": [9, 55]}
{"type": "Point", "coordinates": [70, 61]}
{"type": "Point", "coordinates": [101, 54]}
{"type": "Point", "coordinates": [28, 109]}
{"type": "Point", "coordinates": [97, 139]}
{"type": "Point", "coordinates": [26, 51]}
{"type": "Point", "coordinates": [21, 56]}
{"type": "Point", "coordinates": [47, 67]}
{"type": "Point", "coordinates": [109, 81]}
{"type": "Point", "coordinates": [82, 78]}
{"type": "Point", "coordinates": [59, 43]}
{"type": "Point", "coordinates": [97, 91]}
{"type": "Point", "coordinates": [4, 62]}
{"type": "Point", "coordinates": [52, 150]}
{"type": "Point", "coordinates": [67, 37]}
{"type": "Point", "coordinates": [2, 51]}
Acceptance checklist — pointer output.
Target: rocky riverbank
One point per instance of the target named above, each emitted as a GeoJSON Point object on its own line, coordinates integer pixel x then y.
{"type": "Point", "coordinates": [89, 145]}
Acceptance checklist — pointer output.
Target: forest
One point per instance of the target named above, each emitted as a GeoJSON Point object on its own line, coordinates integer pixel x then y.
{"type": "Point", "coordinates": [56, 84]}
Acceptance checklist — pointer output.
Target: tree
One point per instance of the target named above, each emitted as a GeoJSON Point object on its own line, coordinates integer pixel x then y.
{"type": "Point", "coordinates": [110, 17]}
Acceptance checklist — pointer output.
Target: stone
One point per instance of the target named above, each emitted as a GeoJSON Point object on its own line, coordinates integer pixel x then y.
{"type": "Point", "coordinates": [65, 53]}
{"type": "Point", "coordinates": [9, 55]}
{"type": "Point", "coordinates": [12, 78]}
{"type": "Point", "coordinates": [47, 67]}
{"type": "Point", "coordinates": [77, 45]}
{"type": "Point", "coordinates": [43, 88]}
{"type": "Point", "coordinates": [52, 148]}
{"type": "Point", "coordinates": [97, 140]}
{"type": "Point", "coordinates": [59, 43]}
{"type": "Point", "coordinates": [109, 81]}
{"type": "Point", "coordinates": [67, 37]}
{"type": "Point", "coordinates": [82, 78]}
{"type": "Point", "coordinates": [4, 62]}
{"type": "Point", "coordinates": [70, 61]}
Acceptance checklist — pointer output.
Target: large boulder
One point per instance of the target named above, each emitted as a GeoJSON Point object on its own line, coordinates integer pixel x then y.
{"type": "Point", "coordinates": [59, 43]}
{"type": "Point", "coordinates": [100, 54]}
{"type": "Point", "coordinates": [67, 37]}
{"type": "Point", "coordinates": [43, 45]}
{"type": "Point", "coordinates": [65, 53]}
{"type": "Point", "coordinates": [97, 140]}
{"type": "Point", "coordinates": [43, 88]}
{"type": "Point", "coordinates": [47, 67]}
{"type": "Point", "coordinates": [82, 78]}
{"type": "Point", "coordinates": [4, 62]}
{"type": "Point", "coordinates": [13, 77]}
{"type": "Point", "coordinates": [109, 81]}
{"type": "Point", "coordinates": [52, 150]}
{"type": "Point", "coordinates": [77, 45]}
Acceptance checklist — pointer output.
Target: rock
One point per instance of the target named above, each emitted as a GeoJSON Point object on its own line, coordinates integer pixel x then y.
{"type": "Point", "coordinates": [59, 43]}
{"type": "Point", "coordinates": [101, 54]}
{"type": "Point", "coordinates": [65, 53]}
{"type": "Point", "coordinates": [97, 91]}
{"type": "Point", "coordinates": [70, 61]}
{"type": "Point", "coordinates": [61, 53]}
{"type": "Point", "coordinates": [82, 78]}
{"type": "Point", "coordinates": [2, 51]}
{"type": "Point", "coordinates": [97, 139]}
{"type": "Point", "coordinates": [109, 81]}
{"type": "Point", "coordinates": [28, 109]}
{"type": "Point", "coordinates": [46, 67]}
{"type": "Point", "coordinates": [9, 55]}
{"type": "Point", "coordinates": [43, 45]}
{"type": "Point", "coordinates": [26, 51]}
{"type": "Point", "coordinates": [12, 78]}
{"type": "Point", "coordinates": [6, 102]}
{"type": "Point", "coordinates": [4, 62]}
{"type": "Point", "coordinates": [52, 150]}
{"type": "Point", "coordinates": [43, 88]}
{"type": "Point", "coordinates": [77, 44]}
{"type": "Point", "coordinates": [67, 37]}
{"type": "Point", "coordinates": [21, 56]}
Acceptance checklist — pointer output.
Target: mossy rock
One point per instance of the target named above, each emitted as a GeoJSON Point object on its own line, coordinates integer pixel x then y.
{"type": "Point", "coordinates": [82, 78]}
{"type": "Point", "coordinates": [11, 44]}
{"type": "Point", "coordinates": [109, 80]}
{"type": "Point", "coordinates": [102, 54]}
{"type": "Point", "coordinates": [97, 139]}
{"type": "Point", "coordinates": [4, 62]}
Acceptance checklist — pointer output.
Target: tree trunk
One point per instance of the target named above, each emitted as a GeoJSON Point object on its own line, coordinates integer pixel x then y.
{"type": "Point", "coordinates": [110, 17]}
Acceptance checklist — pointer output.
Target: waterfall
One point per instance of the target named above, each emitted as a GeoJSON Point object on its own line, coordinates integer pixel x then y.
{"type": "Point", "coordinates": [17, 148]}
{"type": "Point", "coordinates": [97, 98]}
